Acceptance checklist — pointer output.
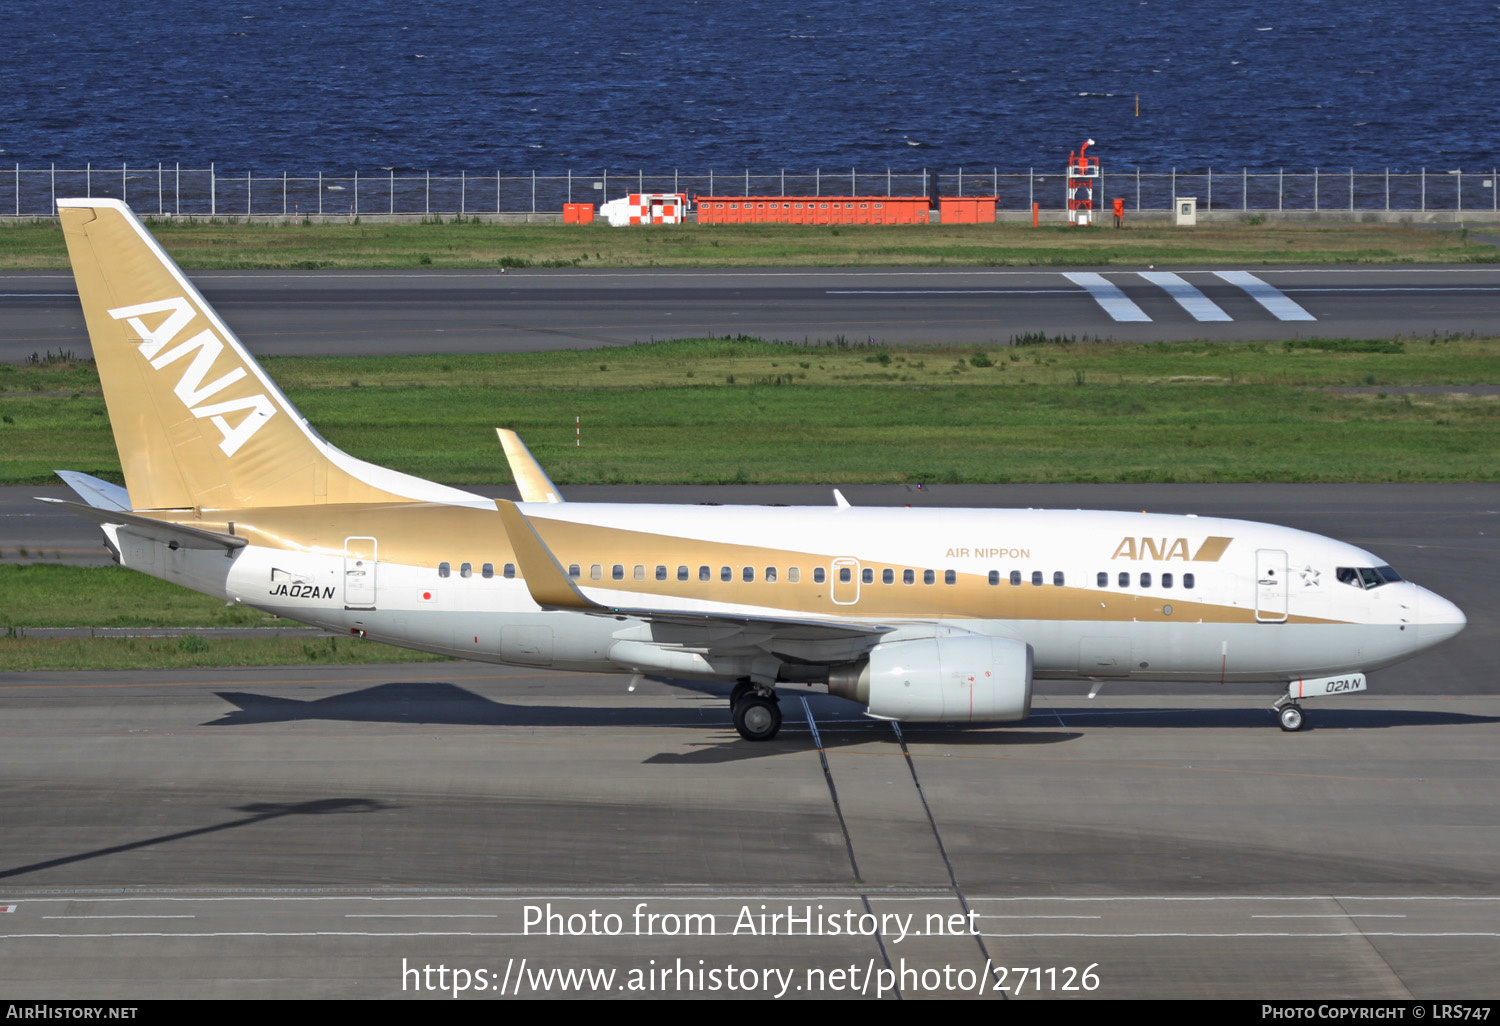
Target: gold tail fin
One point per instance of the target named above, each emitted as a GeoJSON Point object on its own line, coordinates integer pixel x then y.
{"type": "Point", "coordinates": [531, 479]}
{"type": "Point", "coordinates": [196, 420]}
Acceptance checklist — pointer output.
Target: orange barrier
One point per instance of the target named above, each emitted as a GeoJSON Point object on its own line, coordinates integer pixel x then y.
{"type": "Point", "coordinates": [968, 209]}
{"type": "Point", "coordinates": [813, 209]}
{"type": "Point", "coordinates": [578, 213]}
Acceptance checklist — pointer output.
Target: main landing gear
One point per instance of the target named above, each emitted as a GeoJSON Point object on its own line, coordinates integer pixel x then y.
{"type": "Point", "coordinates": [757, 711]}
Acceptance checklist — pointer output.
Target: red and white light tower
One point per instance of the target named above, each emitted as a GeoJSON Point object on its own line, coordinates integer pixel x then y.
{"type": "Point", "coordinates": [1083, 179]}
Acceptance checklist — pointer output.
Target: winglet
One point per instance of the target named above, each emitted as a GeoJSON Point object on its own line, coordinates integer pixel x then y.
{"type": "Point", "coordinates": [531, 479]}
{"type": "Point", "coordinates": [548, 582]}
{"type": "Point", "coordinates": [839, 500]}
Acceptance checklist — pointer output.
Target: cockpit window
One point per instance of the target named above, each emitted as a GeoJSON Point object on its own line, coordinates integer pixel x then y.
{"type": "Point", "coordinates": [1367, 577]}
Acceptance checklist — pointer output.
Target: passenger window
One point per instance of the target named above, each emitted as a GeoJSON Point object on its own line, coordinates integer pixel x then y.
{"type": "Point", "coordinates": [574, 570]}
{"type": "Point", "coordinates": [704, 574]}
{"type": "Point", "coordinates": [1057, 578]}
{"type": "Point", "coordinates": [950, 577]}
{"type": "Point", "coordinates": [1103, 579]}
{"type": "Point", "coordinates": [488, 570]}
{"type": "Point", "coordinates": [1036, 578]}
{"type": "Point", "coordinates": [794, 574]}
{"type": "Point", "coordinates": [640, 572]}
{"type": "Point", "coordinates": [510, 571]}
{"type": "Point", "coordinates": [748, 574]}
{"type": "Point", "coordinates": [845, 574]}
{"type": "Point", "coordinates": [682, 573]}
{"type": "Point", "coordinates": [908, 577]}
{"type": "Point", "coordinates": [928, 577]}
{"type": "Point", "coordinates": [770, 577]}
{"type": "Point", "coordinates": [596, 572]}
{"type": "Point", "coordinates": [887, 576]}
{"type": "Point", "coordinates": [994, 576]}
{"type": "Point", "coordinates": [1015, 578]}
{"type": "Point", "coordinates": [1187, 581]}
{"type": "Point", "coordinates": [1166, 580]}
{"type": "Point", "coordinates": [867, 575]}
{"type": "Point", "coordinates": [444, 569]}
{"type": "Point", "coordinates": [819, 575]}
{"type": "Point", "coordinates": [466, 570]}
{"type": "Point", "coordinates": [726, 573]}
{"type": "Point", "coordinates": [617, 572]}
{"type": "Point", "coordinates": [1146, 580]}
{"type": "Point", "coordinates": [661, 572]}
{"type": "Point", "coordinates": [1124, 579]}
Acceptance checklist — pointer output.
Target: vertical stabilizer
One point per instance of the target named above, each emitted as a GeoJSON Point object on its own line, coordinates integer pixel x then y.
{"type": "Point", "coordinates": [196, 420]}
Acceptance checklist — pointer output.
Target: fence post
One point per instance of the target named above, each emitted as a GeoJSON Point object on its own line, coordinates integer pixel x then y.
{"type": "Point", "coordinates": [1244, 187]}
{"type": "Point", "coordinates": [783, 181]}
{"type": "Point", "coordinates": [124, 198]}
{"type": "Point", "coordinates": [1208, 203]}
{"type": "Point", "coordinates": [54, 187]}
{"type": "Point", "coordinates": [606, 183]}
{"type": "Point", "coordinates": [1494, 191]}
{"type": "Point", "coordinates": [1388, 188]}
{"type": "Point", "coordinates": [853, 183]}
{"type": "Point", "coordinates": [1280, 188]}
{"type": "Point", "coordinates": [1424, 188]}
{"type": "Point", "coordinates": [88, 180]}
{"type": "Point", "coordinates": [533, 190]}
{"type": "Point", "coordinates": [18, 190]}
{"type": "Point", "coordinates": [1351, 190]}
{"type": "Point", "coordinates": [960, 181]}
{"type": "Point", "coordinates": [1172, 199]}
{"type": "Point", "coordinates": [1315, 190]}
{"type": "Point", "coordinates": [1031, 189]}
{"type": "Point", "coordinates": [1460, 197]}
{"type": "Point", "coordinates": [249, 211]}
{"type": "Point", "coordinates": [320, 194]}
{"type": "Point", "coordinates": [391, 207]}
{"type": "Point", "coordinates": [497, 188]}
{"type": "Point", "coordinates": [283, 194]}
{"type": "Point", "coordinates": [818, 181]}
{"type": "Point", "coordinates": [356, 192]}
{"type": "Point", "coordinates": [213, 191]}
{"type": "Point", "coordinates": [640, 179]}
{"type": "Point", "coordinates": [1137, 188]}
{"type": "Point", "coordinates": [427, 200]}
{"type": "Point", "coordinates": [177, 191]}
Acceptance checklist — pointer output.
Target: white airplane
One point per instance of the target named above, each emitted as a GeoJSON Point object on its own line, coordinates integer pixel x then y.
{"type": "Point", "coordinates": [917, 614]}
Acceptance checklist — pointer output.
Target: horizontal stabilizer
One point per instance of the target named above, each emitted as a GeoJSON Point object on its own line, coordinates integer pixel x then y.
{"type": "Point", "coordinates": [96, 492]}
{"type": "Point", "coordinates": [157, 530]}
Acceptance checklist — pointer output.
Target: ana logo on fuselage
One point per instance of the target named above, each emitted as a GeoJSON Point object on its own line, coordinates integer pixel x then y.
{"type": "Point", "coordinates": [1162, 549]}
{"type": "Point", "coordinates": [190, 388]}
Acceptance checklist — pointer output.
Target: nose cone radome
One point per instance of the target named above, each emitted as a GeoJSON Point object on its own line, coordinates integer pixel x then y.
{"type": "Point", "coordinates": [1438, 619]}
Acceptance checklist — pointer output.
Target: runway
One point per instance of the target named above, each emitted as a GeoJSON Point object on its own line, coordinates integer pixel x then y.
{"type": "Point", "coordinates": [314, 832]}
{"type": "Point", "coordinates": [284, 313]}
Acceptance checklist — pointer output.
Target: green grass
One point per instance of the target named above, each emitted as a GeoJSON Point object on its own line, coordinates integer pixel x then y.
{"type": "Point", "coordinates": [715, 411]}
{"type": "Point", "coordinates": [222, 243]}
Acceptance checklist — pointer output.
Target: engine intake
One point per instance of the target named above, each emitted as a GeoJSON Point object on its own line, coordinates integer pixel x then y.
{"type": "Point", "coordinates": [956, 679]}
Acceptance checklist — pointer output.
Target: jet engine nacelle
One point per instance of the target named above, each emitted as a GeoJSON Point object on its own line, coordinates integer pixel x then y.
{"type": "Point", "coordinates": [967, 678]}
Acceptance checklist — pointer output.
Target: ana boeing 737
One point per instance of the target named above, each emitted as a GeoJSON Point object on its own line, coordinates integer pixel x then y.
{"type": "Point", "coordinates": [944, 615]}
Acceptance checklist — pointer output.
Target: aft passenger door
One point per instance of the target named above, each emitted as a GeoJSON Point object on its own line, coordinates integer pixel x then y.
{"type": "Point", "coordinates": [359, 573]}
{"type": "Point", "coordinates": [845, 586]}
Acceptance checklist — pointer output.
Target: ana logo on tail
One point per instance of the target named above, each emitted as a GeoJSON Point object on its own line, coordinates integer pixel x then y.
{"type": "Point", "coordinates": [190, 387]}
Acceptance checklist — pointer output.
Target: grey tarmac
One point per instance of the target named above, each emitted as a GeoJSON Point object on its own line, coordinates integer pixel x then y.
{"type": "Point", "coordinates": [289, 313]}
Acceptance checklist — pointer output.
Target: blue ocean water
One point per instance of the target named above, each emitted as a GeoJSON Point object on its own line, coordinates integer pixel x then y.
{"type": "Point", "coordinates": [763, 84]}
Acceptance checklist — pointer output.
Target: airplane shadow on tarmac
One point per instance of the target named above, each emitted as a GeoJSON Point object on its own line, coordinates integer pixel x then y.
{"type": "Point", "coordinates": [838, 724]}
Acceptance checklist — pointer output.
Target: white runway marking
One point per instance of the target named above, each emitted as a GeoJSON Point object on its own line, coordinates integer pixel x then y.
{"type": "Point", "coordinates": [1189, 298]}
{"type": "Point", "coordinates": [1268, 296]}
{"type": "Point", "coordinates": [1107, 295]}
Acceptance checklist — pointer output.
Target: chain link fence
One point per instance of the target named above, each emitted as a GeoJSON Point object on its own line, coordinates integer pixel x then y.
{"type": "Point", "coordinates": [173, 190]}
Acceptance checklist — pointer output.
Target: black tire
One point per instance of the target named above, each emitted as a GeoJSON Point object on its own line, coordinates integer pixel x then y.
{"type": "Point", "coordinates": [757, 718]}
{"type": "Point", "coordinates": [741, 689]}
{"type": "Point", "coordinates": [1291, 718]}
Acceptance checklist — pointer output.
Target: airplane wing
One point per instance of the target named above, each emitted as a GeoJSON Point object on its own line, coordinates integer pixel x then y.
{"type": "Point", "coordinates": [552, 588]}
{"type": "Point", "coordinates": [531, 479]}
{"type": "Point", "coordinates": [173, 535]}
